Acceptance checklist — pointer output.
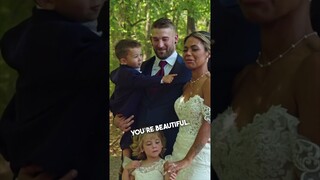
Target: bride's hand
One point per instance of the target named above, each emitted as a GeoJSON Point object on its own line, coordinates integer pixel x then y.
{"type": "Point", "coordinates": [166, 166]}
{"type": "Point", "coordinates": [177, 166]}
{"type": "Point", "coordinates": [132, 165]}
{"type": "Point", "coordinates": [169, 175]}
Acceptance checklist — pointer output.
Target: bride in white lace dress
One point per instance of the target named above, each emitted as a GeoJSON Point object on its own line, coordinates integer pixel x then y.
{"type": "Point", "coordinates": [191, 151]}
{"type": "Point", "coordinates": [272, 129]}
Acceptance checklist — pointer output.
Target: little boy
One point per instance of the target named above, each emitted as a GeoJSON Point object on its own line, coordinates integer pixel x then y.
{"type": "Point", "coordinates": [130, 84]}
{"type": "Point", "coordinates": [56, 119]}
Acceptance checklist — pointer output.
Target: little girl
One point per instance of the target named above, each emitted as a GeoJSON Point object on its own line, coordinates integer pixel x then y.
{"type": "Point", "coordinates": [149, 148]}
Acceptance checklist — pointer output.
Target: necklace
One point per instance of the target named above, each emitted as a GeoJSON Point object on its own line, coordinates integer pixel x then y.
{"type": "Point", "coordinates": [285, 52]}
{"type": "Point", "coordinates": [193, 81]}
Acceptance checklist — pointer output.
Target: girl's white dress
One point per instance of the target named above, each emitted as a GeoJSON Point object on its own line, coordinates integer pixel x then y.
{"type": "Point", "coordinates": [152, 172]}
{"type": "Point", "coordinates": [193, 111]}
{"type": "Point", "coordinates": [269, 148]}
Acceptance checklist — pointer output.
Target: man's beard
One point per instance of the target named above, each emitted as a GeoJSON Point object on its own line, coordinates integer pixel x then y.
{"type": "Point", "coordinates": [164, 55]}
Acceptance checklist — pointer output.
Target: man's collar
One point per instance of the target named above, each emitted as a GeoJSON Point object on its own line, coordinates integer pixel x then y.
{"type": "Point", "coordinates": [170, 60]}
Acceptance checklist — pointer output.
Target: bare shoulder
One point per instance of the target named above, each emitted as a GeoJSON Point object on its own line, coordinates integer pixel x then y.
{"type": "Point", "coordinates": [207, 82]}
{"type": "Point", "coordinates": [314, 56]}
{"type": "Point", "coordinates": [206, 90]}
{"type": "Point", "coordinates": [307, 94]}
{"type": "Point", "coordinates": [310, 66]}
{"type": "Point", "coordinates": [240, 77]}
{"type": "Point", "coordinates": [207, 85]}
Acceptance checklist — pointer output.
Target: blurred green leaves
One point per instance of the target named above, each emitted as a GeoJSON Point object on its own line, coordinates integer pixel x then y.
{"type": "Point", "coordinates": [11, 13]}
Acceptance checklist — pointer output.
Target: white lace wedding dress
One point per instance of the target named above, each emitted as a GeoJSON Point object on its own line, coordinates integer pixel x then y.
{"type": "Point", "coordinates": [154, 171]}
{"type": "Point", "coordinates": [193, 111]}
{"type": "Point", "coordinates": [269, 148]}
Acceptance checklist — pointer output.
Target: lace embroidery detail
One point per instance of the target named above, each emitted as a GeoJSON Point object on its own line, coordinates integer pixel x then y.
{"type": "Point", "coordinates": [154, 166]}
{"type": "Point", "coordinates": [126, 161]}
{"type": "Point", "coordinates": [206, 112]}
{"type": "Point", "coordinates": [307, 159]}
{"type": "Point", "coordinates": [265, 145]}
{"type": "Point", "coordinates": [193, 111]}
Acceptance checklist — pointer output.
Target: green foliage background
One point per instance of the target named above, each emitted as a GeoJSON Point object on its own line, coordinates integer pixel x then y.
{"type": "Point", "coordinates": [133, 19]}
{"type": "Point", "coordinates": [127, 19]}
{"type": "Point", "coordinates": [11, 13]}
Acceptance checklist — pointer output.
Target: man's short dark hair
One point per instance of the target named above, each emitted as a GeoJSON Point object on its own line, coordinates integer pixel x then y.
{"type": "Point", "coordinates": [163, 23]}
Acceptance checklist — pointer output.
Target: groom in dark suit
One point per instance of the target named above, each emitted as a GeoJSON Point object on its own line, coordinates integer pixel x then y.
{"type": "Point", "coordinates": [157, 107]}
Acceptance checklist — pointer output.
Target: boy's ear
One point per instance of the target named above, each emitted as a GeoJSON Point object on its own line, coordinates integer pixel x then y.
{"type": "Point", "coordinates": [46, 4]}
{"type": "Point", "coordinates": [123, 61]}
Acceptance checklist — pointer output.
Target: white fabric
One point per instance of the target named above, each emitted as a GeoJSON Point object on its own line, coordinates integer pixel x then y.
{"type": "Point", "coordinates": [269, 148]}
{"type": "Point", "coordinates": [154, 171]}
{"type": "Point", "coordinates": [126, 161]}
{"type": "Point", "coordinates": [193, 111]}
{"type": "Point", "coordinates": [92, 25]}
{"type": "Point", "coordinates": [168, 67]}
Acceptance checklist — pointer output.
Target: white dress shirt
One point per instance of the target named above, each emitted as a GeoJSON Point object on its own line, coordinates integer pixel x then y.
{"type": "Point", "coordinates": [167, 68]}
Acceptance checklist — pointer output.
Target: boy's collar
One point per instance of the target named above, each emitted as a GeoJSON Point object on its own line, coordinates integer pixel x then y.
{"type": "Point", "coordinates": [92, 25]}
{"type": "Point", "coordinates": [38, 7]}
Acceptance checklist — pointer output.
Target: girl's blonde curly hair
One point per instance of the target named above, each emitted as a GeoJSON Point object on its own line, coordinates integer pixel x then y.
{"type": "Point", "coordinates": [137, 145]}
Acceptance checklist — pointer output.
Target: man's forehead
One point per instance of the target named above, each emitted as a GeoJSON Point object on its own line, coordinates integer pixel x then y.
{"type": "Point", "coordinates": [163, 32]}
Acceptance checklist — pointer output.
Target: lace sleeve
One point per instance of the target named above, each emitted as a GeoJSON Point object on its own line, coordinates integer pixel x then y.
{"type": "Point", "coordinates": [126, 161]}
{"type": "Point", "coordinates": [161, 168]}
{"type": "Point", "coordinates": [307, 159]}
{"type": "Point", "coordinates": [206, 112]}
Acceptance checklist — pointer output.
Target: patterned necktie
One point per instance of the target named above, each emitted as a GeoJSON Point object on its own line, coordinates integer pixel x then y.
{"type": "Point", "coordinates": [154, 90]}
{"type": "Point", "coordinates": [161, 71]}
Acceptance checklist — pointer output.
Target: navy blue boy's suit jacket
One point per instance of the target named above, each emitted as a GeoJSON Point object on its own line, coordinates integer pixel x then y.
{"type": "Point", "coordinates": [158, 108]}
{"type": "Point", "coordinates": [129, 89]}
{"type": "Point", "coordinates": [126, 98]}
{"type": "Point", "coordinates": [58, 116]}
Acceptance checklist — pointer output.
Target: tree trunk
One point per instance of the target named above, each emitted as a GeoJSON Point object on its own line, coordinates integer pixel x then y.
{"type": "Point", "coordinates": [148, 49]}
{"type": "Point", "coordinates": [191, 27]}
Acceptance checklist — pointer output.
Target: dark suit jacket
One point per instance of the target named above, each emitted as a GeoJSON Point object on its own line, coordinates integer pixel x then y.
{"type": "Point", "coordinates": [58, 116]}
{"type": "Point", "coordinates": [158, 108]}
{"type": "Point", "coordinates": [129, 89]}
{"type": "Point", "coordinates": [126, 98]}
